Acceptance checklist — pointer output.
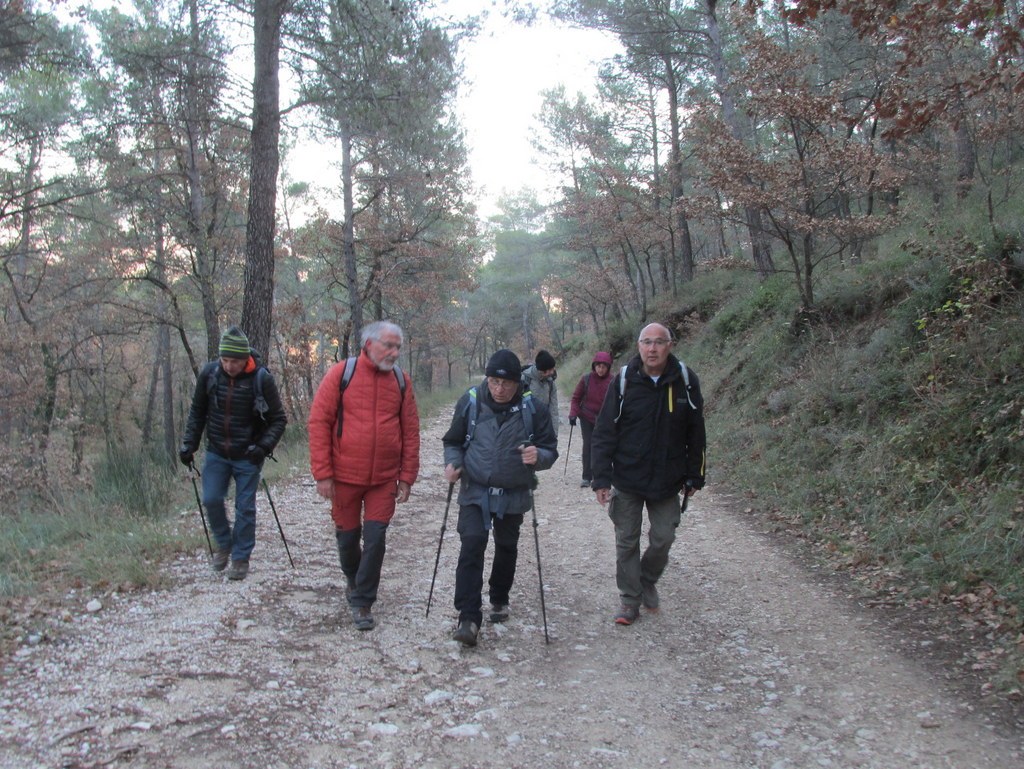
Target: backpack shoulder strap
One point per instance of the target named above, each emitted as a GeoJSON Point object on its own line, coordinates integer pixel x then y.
{"type": "Point", "coordinates": [346, 377]}
{"type": "Point", "coordinates": [350, 369]}
{"type": "Point", "coordinates": [210, 369]}
{"type": "Point", "coordinates": [470, 413]}
{"type": "Point", "coordinates": [528, 408]}
{"type": "Point", "coordinates": [259, 403]}
{"type": "Point", "coordinates": [686, 383]}
{"type": "Point", "coordinates": [622, 391]}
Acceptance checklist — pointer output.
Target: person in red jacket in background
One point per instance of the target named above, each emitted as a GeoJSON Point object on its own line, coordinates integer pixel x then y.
{"type": "Point", "coordinates": [366, 458]}
{"type": "Point", "coordinates": [586, 404]}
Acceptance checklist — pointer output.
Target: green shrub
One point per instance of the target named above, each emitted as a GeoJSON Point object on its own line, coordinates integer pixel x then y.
{"type": "Point", "coordinates": [133, 481]}
{"type": "Point", "coordinates": [894, 432]}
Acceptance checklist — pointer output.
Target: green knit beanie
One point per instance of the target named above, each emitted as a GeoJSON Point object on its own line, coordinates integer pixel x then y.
{"type": "Point", "coordinates": [234, 344]}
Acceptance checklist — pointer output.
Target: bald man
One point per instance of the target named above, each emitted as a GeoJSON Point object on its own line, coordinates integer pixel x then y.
{"type": "Point", "coordinates": [647, 449]}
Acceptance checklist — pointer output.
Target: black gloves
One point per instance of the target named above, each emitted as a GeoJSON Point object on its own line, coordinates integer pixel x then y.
{"type": "Point", "coordinates": [186, 455]}
{"type": "Point", "coordinates": [255, 454]}
{"type": "Point", "coordinates": [572, 421]}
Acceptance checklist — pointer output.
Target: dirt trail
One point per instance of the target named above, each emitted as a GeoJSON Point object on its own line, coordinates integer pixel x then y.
{"type": "Point", "coordinates": [754, 661]}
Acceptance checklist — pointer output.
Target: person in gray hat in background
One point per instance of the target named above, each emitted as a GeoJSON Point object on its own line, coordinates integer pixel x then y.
{"type": "Point", "coordinates": [237, 403]}
{"type": "Point", "coordinates": [539, 379]}
{"type": "Point", "coordinates": [497, 440]}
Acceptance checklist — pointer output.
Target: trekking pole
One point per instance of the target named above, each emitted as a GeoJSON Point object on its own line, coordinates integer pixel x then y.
{"type": "Point", "coordinates": [536, 542]}
{"type": "Point", "coordinates": [193, 472]}
{"type": "Point", "coordinates": [270, 499]}
{"type": "Point", "coordinates": [437, 558]}
{"type": "Point", "coordinates": [568, 446]}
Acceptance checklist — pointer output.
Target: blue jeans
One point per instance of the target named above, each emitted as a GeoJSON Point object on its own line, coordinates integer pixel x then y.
{"type": "Point", "coordinates": [631, 568]}
{"type": "Point", "coordinates": [217, 474]}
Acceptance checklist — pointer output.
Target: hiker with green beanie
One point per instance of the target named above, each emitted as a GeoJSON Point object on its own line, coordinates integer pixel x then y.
{"type": "Point", "coordinates": [237, 403]}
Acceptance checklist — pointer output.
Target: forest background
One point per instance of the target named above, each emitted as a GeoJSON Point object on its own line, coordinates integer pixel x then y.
{"type": "Point", "coordinates": [821, 198]}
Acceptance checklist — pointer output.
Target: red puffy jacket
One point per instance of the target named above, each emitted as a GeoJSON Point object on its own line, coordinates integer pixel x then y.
{"type": "Point", "coordinates": [380, 440]}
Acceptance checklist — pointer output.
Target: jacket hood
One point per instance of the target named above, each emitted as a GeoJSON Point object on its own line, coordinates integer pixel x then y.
{"type": "Point", "coordinates": [601, 357]}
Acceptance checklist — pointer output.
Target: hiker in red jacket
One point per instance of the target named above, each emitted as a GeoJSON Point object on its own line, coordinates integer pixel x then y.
{"type": "Point", "coordinates": [586, 404]}
{"type": "Point", "coordinates": [364, 452]}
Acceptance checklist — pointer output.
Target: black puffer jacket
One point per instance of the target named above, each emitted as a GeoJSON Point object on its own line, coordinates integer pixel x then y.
{"type": "Point", "coordinates": [227, 412]}
{"type": "Point", "coordinates": [657, 446]}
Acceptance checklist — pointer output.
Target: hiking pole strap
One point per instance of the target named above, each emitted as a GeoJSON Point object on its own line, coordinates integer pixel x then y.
{"type": "Point", "coordinates": [437, 558]}
{"type": "Point", "coordinates": [273, 509]}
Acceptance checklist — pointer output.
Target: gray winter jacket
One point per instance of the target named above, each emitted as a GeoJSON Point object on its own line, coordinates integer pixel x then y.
{"type": "Point", "coordinates": [544, 390]}
{"type": "Point", "coordinates": [493, 474]}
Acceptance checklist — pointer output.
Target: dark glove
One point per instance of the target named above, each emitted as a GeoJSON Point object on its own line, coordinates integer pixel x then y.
{"type": "Point", "coordinates": [186, 455]}
{"type": "Point", "coordinates": [255, 454]}
{"type": "Point", "coordinates": [693, 484]}
{"type": "Point", "coordinates": [572, 421]}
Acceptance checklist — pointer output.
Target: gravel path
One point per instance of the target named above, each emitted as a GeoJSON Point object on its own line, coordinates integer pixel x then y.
{"type": "Point", "coordinates": [754, 661]}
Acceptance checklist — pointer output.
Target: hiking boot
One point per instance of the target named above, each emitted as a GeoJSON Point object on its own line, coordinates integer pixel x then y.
{"type": "Point", "coordinates": [362, 618]}
{"type": "Point", "coordinates": [499, 612]}
{"type": "Point", "coordinates": [219, 559]}
{"type": "Point", "coordinates": [466, 633]}
{"type": "Point", "coordinates": [627, 615]}
{"type": "Point", "coordinates": [649, 596]}
{"type": "Point", "coordinates": [238, 570]}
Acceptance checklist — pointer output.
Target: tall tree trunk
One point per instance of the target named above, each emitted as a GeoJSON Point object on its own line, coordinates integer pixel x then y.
{"type": "Point", "coordinates": [760, 248]}
{"type": "Point", "coordinates": [682, 242]}
{"type": "Point", "coordinates": [258, 297]}
{"type": "Point", "coordinates": [348, 237]}
{"type": "Point", "coordinates": [167, 379]}
{"type": "Point", "coordinates": [668, 277]}
{"type": "Point", "coordinates": [194, 176]}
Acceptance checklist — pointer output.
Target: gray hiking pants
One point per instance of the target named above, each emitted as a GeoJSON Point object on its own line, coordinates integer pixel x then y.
{"type": "Point", "coordinates": [631, 569]}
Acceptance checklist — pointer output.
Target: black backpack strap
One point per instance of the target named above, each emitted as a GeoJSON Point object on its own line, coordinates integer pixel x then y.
{"type": "Point", "coordinates": [259, 402]}
{"type": "Point", "coordinates": [622, 391]}
{"type": "Point", "coordinates": [528, 408]}
{"type": "Point", "coordinates": [212, 371]}
{"type": "Point", "coordinates": [346, 377]}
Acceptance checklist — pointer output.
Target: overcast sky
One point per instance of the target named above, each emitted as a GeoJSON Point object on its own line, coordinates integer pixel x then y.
{"type": "Point", "coordinates": [507, 68]}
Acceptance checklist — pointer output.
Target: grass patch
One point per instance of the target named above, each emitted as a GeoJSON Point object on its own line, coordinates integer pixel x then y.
{"type": "Point", "coordinates": [892, 427]}
{"type": "Point", "coordinates": [111, 535]}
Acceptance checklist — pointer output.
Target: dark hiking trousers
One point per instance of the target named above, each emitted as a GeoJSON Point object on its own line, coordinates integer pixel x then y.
{"type": "Point", "coordinates": [469, 574]}
{"type": "Point", "coordinates": [587, 431]}
{"type": "Point", "coordinates": [362, 566]}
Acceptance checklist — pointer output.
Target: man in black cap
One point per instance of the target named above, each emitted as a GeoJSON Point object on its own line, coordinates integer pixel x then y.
{"type": "Point", "coordinates": [237, 403]}
{"type": "Point", "coordinates": [539, 379]}
{"type": "Point", "coordinates": [497, 441]}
